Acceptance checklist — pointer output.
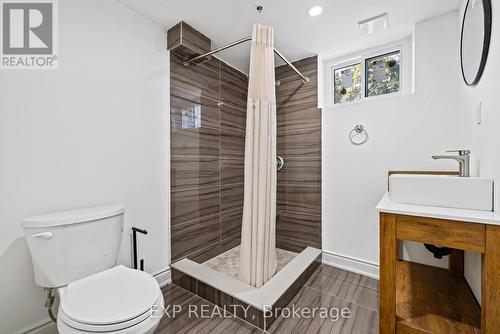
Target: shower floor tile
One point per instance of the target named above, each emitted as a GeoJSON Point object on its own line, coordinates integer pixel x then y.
{"type": "Point", "coordinates": [229, 262]}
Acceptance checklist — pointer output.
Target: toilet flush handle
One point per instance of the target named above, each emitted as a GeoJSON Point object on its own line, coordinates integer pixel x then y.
{"type": "Point", "coordinates": [43, 235]}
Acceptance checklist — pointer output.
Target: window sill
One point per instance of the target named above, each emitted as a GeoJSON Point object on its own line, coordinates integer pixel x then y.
{"type": "Point", "coordinates": [368, 99]}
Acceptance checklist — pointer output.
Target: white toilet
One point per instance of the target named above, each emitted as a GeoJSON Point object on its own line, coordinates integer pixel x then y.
{"type": "Point", "coordinates": [75, 252]}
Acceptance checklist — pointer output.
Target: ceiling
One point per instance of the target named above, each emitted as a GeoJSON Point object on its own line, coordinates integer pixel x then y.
{"type": "Point", "coordinates": [297, 35]}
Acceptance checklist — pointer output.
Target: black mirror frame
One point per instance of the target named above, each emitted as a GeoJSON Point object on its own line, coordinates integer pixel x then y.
{"type": "Point", "coordinates": [486, 41]}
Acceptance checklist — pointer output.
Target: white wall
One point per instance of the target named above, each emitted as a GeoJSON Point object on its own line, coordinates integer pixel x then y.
{"type": "Point", "coordinates": [484, 139]}
{"type": "Point", "coordinates": [93, 132]}
{"type": "Point", "coordinates": [404, 132]}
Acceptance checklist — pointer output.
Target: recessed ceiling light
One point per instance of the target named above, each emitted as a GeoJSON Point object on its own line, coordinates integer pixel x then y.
{"type": "Point", "coordinates": [315, 11]}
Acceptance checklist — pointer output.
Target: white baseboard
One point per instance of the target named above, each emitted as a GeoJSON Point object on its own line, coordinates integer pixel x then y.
{"type": "Point", "coordinates": [44, 326]}
{"type": "Point", "coordinates": [348, 263]}
{"type": "Point", "coordinates": [163, 277]}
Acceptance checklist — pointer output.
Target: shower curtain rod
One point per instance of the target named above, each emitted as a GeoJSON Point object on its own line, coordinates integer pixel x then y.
{"type": "Point", "coordinates": [243, 40]}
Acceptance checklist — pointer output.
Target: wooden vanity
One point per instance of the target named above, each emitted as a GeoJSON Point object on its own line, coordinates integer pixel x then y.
{"type": "Point", "coordinates": [416, 298]}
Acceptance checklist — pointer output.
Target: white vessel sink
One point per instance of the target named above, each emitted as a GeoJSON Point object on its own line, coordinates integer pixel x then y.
{"type": "Point", "coordinates": [474, 193]}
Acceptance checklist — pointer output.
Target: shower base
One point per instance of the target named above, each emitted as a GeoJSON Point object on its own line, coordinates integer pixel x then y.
{"type": "Point", "coordinates": [229, 262]}
{"type": "Point", "coordinates": [216, 280]}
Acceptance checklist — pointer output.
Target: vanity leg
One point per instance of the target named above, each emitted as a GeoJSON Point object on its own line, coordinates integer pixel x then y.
{"type": "Point", "coordinates": [457, 262]}
{"type": "Point", "coordinates": [490, 298]}
{"type": "Point", "coordinates": [388, 271]}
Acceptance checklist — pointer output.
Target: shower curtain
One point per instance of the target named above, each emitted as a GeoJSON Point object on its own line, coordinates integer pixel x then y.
{"type": "Point", "coordinates": [258, 251]}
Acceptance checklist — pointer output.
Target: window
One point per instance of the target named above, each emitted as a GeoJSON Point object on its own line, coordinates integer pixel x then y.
{"type": "Point", "coordinates": [370, 73]}
{"type": "Point", "coordinates": [383, 74]}
{"type": "Point", "coordinates": [347, 83]}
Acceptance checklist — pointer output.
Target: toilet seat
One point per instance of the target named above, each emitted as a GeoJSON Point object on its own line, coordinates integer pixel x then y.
{"type": "Point", "coordinates": [112, 300]}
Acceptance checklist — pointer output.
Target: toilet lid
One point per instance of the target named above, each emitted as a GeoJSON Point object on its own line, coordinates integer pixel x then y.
{"type": "Point", "coordinates": [113, 296]}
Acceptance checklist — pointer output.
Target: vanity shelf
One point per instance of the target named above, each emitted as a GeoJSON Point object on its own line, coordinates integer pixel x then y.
{"type": "Point", "coordinates": [420, 299]}
{"type": "Point", "coordinates": [434, 300]}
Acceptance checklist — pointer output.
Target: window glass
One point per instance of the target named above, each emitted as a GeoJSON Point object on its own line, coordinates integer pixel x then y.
{"type": "Point", "coordinates": [347, 86]}
{"type": "Point", "coordinates": [383, 74]}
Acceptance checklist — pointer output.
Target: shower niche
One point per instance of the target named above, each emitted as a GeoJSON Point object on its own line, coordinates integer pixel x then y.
{"type": "Point", "coordinates": [207, 116]}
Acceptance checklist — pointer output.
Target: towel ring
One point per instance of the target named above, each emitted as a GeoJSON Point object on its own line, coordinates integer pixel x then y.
{"type": "Point", "coordinates": [358, 135]}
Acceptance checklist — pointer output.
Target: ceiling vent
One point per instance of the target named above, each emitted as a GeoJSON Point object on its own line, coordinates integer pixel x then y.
{"type": "Point", "coordinates": [374, 24]}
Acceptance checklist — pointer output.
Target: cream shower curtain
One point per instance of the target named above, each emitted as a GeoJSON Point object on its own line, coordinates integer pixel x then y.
{"type": "Point", "coordinates": [258, 250]}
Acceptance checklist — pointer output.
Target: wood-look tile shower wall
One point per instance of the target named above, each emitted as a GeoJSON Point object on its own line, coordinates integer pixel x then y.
{"type": "Point", "coordinates": [299, 143]}
{"type": "Point", "coordinates": [208, 109]}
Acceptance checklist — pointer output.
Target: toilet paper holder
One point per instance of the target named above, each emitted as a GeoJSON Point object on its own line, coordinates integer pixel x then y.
{"type": "Point", "coordinates": [136, 230]}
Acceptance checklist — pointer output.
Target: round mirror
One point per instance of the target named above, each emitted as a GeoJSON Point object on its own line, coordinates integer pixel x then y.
{"type": "Point", "coordinates": [475, 41]}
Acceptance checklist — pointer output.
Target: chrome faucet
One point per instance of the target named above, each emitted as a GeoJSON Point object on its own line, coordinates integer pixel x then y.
{"type": "Point", "coordinates": [463, 159]}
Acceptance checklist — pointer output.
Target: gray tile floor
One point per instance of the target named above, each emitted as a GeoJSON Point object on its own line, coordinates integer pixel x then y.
{"type": "Point", "coordinates": [329, 288]}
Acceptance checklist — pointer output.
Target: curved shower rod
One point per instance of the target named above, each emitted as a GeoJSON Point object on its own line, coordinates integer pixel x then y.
{"type": "Point", "coordinates": [243, 40]}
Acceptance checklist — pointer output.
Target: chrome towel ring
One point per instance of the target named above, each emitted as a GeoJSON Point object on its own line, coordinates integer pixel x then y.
{"type": "Point", "coordinates": [358, 135]}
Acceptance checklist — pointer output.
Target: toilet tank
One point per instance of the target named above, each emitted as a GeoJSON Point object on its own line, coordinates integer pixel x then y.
{"type": "Point", "coordinates": [70, 245]}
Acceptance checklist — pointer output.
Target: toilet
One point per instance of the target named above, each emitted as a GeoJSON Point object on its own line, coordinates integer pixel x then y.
{"type": "Point", "coordinates": [75, 252]}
